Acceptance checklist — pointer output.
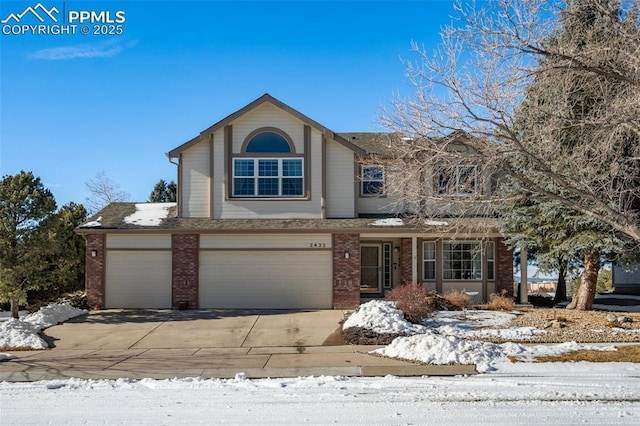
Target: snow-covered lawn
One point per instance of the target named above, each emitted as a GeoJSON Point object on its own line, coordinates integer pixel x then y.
{"type": "Point", "coordinates": [447, 337]}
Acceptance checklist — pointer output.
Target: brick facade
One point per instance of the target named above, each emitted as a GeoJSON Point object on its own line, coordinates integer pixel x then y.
{"type": "Point", "coordinates": [406, 268]}
{"type": "Point", "coordinates": [504, 268]}
{"type": "Point", "coordinates": [346, 271]}
{"type": "Point", "coordinates": [185, 269]}
{"type": "Point", "coordinates": [95, 270]}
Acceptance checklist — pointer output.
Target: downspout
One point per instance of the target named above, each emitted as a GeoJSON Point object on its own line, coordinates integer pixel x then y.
{"type": "Point", "coordinates": [178, 185]}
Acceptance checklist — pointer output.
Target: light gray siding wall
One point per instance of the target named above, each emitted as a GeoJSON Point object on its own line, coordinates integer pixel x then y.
{"type": "Point", "coordinates": [195, 181]}
{"type": "Point", "coordinates": [340, 181]}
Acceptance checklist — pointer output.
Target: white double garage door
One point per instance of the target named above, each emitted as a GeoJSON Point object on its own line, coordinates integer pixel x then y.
{"type": "Point", "coordinates": [235, 271]}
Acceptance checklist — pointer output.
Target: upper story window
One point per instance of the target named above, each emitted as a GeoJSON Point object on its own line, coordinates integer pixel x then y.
{"type": "Point", "coordinates": [372, 181]}
{"type": "Point", "coordinates": [275, 171]}
{"type": "Point", "coordinates": [268, 142]}
{"type": "Point", "coordinates": [458, 180]}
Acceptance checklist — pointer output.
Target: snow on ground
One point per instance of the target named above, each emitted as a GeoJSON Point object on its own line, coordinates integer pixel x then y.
{"type": "Point", "coordinates": [149, 214]}
{"type": "Point", "coordinates": [24, 332]}
{"type": "Point", "coordinates": [582, 393]}
{"type": "Point", "coordinates": [444, 338]}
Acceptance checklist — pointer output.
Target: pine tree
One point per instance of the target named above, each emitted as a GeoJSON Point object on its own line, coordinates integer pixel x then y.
{"type": "Point", "coordinates": [24, 204]}
{"type": "Point", "coordinates": [559, 99]}
{"type": "Point", "coordinates": [163, 192]}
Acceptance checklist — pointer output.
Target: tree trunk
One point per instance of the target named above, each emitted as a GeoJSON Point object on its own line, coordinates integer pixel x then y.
{"type": "Point", "coordinates": [583, 300]}
{"type": "Point", "coordinates": [14, 309]}
{"type": "Point", "coordinates": [561, 287]}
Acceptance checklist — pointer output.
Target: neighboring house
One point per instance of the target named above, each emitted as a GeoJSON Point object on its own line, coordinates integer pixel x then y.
{"type": "Point", "coordinates": [276, 211]}
{"type": "Point", "coordinates": [626, 279]}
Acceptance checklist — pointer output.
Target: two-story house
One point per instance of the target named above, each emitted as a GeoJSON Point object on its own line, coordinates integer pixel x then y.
{"type": "Point", "coordinates": [277, 211]}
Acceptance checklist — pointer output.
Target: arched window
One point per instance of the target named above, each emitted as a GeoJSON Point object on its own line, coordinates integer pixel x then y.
{"type": "Point", "coordinates": [273, 171]}
{"type": "Point", "coordinates": [268, 142]}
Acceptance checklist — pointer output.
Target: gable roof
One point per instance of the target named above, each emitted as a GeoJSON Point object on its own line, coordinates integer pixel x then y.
{"type": "Point", "coordinates": [279, 104]}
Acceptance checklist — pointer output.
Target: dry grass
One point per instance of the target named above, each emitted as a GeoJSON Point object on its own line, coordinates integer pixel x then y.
{"type": "Point", "coordinates": [500, 302]}
{"type": "Point", "coordinates": [627, 353]}
{"type": "Point", "coordinates": [457, 299]}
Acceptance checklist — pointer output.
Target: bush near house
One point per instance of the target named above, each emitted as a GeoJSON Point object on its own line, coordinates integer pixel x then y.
{"type": "Point", "coordinates": [415, 302]}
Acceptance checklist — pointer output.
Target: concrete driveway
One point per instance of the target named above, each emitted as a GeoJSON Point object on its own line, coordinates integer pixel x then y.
{"type": "Point", "coordinates": [167, 329]}
{"type": "Point", "coordinates": [159, 344]}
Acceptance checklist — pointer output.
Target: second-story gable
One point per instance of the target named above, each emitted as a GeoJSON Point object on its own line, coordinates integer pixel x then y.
{"type": "Point", "coordinates": [267, 160]}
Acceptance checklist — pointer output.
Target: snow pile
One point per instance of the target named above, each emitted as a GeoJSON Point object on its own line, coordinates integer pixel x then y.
{"type": "Point", "coordinates": [437, 349]}
{"type": "Point", "coordinates": [433, 348]}
{"type": "Point", "coordinates": [53, 314]}
{"type": "Point", "coordinates": [388, 222]}
{"type": "Point", "coordinates": [24, 332]}
{"type": "Point", "coordinates": [149, 214]}
{"type": "Point", "coordinates": [381, 317]}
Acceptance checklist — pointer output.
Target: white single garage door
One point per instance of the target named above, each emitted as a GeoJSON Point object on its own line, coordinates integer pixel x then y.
{"type": "Point", "coordinates": [138, 279]}
{"type": "Point", "coordinates": [266, 279]}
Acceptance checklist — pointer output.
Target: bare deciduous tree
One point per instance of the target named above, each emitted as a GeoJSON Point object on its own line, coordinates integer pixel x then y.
{"type": "Point", "coordinates": [103, 191]}
{"type": "Point", "coordinates": [547, 94]}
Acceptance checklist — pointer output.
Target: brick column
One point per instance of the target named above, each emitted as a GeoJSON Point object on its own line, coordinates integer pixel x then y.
{"type": "Point", "coordinates": [95, 269]}
{"type": "Point", "coordinates": [185, 269]}
{"type": "Point", "coordinates": [405, 261]}
{"type": "Point", "coordinates": [504, 268]}
{"type": "Point", "coordinates": [346, 272]}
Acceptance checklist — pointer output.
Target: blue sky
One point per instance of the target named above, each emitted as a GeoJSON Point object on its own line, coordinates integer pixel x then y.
{"type": "Point", "coordinates": [72, 106]}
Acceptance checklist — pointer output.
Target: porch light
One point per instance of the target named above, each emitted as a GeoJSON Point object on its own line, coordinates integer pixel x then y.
{"type": "Point", "coordinates": [346, 254]}
{"type": "Point", "coordinates": [396, 250]}
{"type": "Point", "coordinates": [94, 253]}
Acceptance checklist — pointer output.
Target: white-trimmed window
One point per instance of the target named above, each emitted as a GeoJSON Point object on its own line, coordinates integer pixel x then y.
{"type": "Point", "coordinates": [372, 181]}
{"type": "Point", "coordinates": [429, 260]}
{"type": "Point", "coordinates": [458, 180]}
{"type": "Point", "coordinates": [268, 177]}
{"type": "Point", "coordinates": [462, 260]}
{"type": "Point", "coordinates": [491, 260]}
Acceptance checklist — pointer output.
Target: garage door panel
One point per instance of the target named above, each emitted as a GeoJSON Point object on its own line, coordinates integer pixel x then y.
{"type": "Point", "coordinates": [266, 280]}
{"type": "Point", "coordinates": [138, 279]}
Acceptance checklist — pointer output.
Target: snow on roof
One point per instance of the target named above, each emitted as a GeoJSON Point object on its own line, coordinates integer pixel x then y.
{"type": "Point", "coordinates": [394, 221]}
{"type": "Point", "coordinates": [435, 223]}
{"type": "Point", "coordinates": [149, 214]}
{"type": "Point", "coordinates": [94, 223]}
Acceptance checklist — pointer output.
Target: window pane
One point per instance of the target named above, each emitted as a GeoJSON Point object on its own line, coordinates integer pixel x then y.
{"type": "Point", "coordinates": [243, 186]}
{"type": "Point", "coordinates": [429, 251]}
{"type": "Point", "coordinates": [243, 168]}
{"type": "Point", "coordinates": [268, 186]}
{"type": "Point", "coordinates": [372, 173]}
{"type": "Point", "coordinates": [292, 186]}
{"type": "Point", "coordinates": [372, 188]}
{"type": "Point", "coordinates": [429, 270]}
{"type": "Point", "coordinates": [466, 180]}
{"type": "Point", "coordinates": [268, 142]}
{"type": "Point", "coordinates": [292, 168]}
{"type": "Point", "coordinates": [268, 168]}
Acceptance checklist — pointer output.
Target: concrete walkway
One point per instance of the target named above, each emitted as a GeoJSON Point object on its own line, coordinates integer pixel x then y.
{"type": "Point", "coordinates": [158, 344]}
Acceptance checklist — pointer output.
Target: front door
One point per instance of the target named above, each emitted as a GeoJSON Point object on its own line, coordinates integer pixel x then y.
{"type": "Point", "coordinates": [370, 268]}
